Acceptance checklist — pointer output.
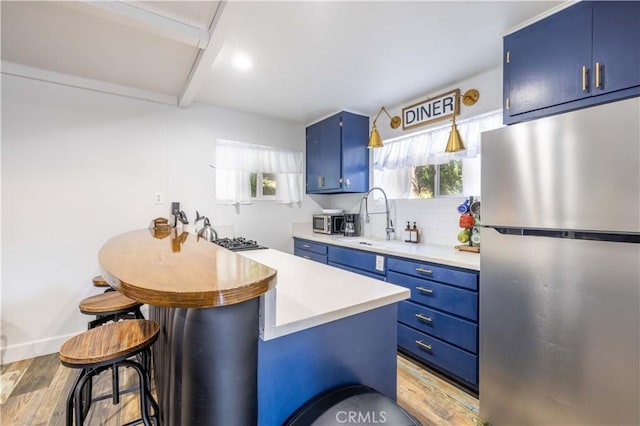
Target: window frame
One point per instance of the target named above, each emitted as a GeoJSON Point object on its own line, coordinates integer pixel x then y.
{"type": "Point", "coordinates": [436, 182]}
{"type": "Point", "coordinates": [260, 187]}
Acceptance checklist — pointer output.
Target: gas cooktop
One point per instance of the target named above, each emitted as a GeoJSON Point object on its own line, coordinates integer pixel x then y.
{"type": "Point", "coordinates": [238, 244]}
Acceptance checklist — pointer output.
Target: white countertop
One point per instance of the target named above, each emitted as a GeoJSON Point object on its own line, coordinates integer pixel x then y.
{"type": "Point", "coordinates": [308, 294]}
{"type": "Point", "coordinates": [444, 255]}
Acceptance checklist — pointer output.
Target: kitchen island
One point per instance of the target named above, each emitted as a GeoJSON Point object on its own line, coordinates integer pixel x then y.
{"type": "Point", "coordinates": [319, 328]}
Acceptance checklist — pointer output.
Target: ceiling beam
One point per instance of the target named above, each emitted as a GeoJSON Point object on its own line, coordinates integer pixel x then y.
{"type": "Point", "coordinates": [19, 70]}
{"type": "Point", "coordinates": [153, 22]}
{"type": "Point", "coordinates": [203, 62]}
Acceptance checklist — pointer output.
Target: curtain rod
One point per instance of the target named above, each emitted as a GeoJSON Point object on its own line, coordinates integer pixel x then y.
{"type": "Point", "coordinates": [253, 145]}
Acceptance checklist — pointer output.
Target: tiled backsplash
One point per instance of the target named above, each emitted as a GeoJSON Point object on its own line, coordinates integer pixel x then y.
{"type": "Point", "coordinates": [436, 219]}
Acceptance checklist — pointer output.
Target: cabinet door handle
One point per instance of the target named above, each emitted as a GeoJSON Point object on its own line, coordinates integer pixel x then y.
{"type": "Point", "coordinates": [584, 78]}
{"type": "Point", "coordinates": [508, 103]}
{"type": "Point", "coordinates": [424, 290]}
{"type": "Point", "coordinates": [598, 82]}
{"type": "Point", "coordinates": [424, 345]}
{"type": "Point", "coordinates": [424, 271]}
{"type": "Point", "coordinates": [320, 181]}
{"type": "Point", "coordinates": [424, 318]}
{"type": "Point", "coordinates": [509, 56]}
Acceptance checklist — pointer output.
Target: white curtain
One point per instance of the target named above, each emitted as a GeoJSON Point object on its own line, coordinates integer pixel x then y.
{"type": "Point", "coordinates": [393, 163]}
{"type": "Point", "coordinates": [427, 147]}
{"type": "Point", "coordinates": [236, 161]}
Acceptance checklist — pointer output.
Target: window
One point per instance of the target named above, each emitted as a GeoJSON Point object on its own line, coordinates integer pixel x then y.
{"type": "Point", "coordinates": [263, 186]}
{"type": "Point", "coordinates": [416, 166]}
{"type": "Point", "coordinates": [246, 172]}
{"type": "Point", "coordinates": [437, 180]}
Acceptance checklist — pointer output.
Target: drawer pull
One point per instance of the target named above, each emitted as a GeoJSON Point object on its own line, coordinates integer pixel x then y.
{"type": "Point", "coordinates": [306, 246]}
{"type": "Point", "coordinates": [424, 271]}
{"type": "Point", "coordinates": [423, 345]}
{"type": "Point", "coordinates": [424, 290]}
{"type": "Point", "coordinates": [307, 257]}
{"type": "Point", "coordinates": [424, 318]}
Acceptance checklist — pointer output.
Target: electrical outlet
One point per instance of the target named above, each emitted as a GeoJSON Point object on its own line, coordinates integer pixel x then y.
{"type": "Point", "coordinates": [159, 198]}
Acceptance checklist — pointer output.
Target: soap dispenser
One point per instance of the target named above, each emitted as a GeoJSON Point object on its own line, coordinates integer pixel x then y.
{"type": "Point", "coordinates": [414, 234]}
{"type": "Point", "coordinates": [406, 234]}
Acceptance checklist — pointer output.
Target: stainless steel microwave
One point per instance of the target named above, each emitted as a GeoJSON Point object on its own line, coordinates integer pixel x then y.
{"type": "Point", "coordinates": [328, 223]}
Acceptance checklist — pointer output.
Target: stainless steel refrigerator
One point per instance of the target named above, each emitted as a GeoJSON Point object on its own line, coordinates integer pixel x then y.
{"type": "Point", "coordinates": [560, 269]}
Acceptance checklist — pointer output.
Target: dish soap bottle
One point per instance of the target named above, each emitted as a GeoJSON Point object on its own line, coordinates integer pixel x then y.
{"type": "Point", "coordinates": [414, 234]}
{"type": "Point", "coordinates": [406, 234]}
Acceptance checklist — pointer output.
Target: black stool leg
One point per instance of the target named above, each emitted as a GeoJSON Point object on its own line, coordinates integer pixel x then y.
{"type": "Point", "coordinates": [145, 394]}
{"type": "Point", "coordinates": [115, 384]}
{"type": "Point", "coordinates": [70, 399]}
{"type": "Point", "coordinates": [80, 412]}
{"type": "Point", "coordinates": [138, 313]}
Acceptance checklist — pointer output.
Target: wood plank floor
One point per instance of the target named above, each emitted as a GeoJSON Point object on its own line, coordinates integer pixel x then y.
{"type": "Point", "coordinates": [33, 392]}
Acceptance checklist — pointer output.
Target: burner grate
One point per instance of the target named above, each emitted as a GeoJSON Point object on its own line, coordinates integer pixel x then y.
{"type": "Point", "coordinates": [238, 244]}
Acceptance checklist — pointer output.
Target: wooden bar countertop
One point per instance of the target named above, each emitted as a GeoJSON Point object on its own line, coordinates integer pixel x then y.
{"type": "Point", "coordinates": [181, 270]}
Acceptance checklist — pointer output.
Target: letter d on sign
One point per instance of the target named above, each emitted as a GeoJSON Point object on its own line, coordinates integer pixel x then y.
{"type": "Point", "coordinates": [409, 116]}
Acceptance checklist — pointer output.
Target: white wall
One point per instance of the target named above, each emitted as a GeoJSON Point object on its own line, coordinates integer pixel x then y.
{"type": "Point", "coordinates": [79, 167]}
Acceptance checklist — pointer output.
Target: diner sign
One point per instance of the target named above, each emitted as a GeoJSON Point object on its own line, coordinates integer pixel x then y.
{"type": "Point", "coordinates": [431, 110]}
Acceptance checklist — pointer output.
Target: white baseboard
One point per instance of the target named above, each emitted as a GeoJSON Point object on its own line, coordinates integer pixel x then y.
{"type": "Point", "coordinates": [20, 351]}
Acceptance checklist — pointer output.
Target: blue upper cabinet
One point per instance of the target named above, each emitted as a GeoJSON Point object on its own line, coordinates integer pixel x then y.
{"type": "Point", "coordinates": [543, 62]}
{"type": "Point", "coordinates": [337, 155]}
{"type": "Point", "coordinates": [616, 46]}
{"type": "Point", "coordinates": [584, 55]}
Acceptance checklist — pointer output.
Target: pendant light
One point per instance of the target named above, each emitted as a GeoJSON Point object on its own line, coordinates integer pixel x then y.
{"type": "Point", "coordinates": [455, 144]}
{"type": "Point", "coordinates": [375, 141]}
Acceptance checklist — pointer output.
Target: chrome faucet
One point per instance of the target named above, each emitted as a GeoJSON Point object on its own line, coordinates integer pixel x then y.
{"type": "Point", "coordinates": [389, 224]}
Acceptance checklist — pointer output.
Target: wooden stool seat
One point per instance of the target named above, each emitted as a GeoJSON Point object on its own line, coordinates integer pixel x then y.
{"type": "Point", "coordinates": [107, 303]}
{"type": "Point", "coordinates": [109, 347]}
{"type": "Point", "coordinates": [99, 281]}
{"type": "Point", "coordinates": [109, 343]}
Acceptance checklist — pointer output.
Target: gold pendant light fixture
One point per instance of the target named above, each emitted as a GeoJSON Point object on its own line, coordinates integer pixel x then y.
{"type": "Point", "coordinates": [455, 144]}
{"type": "Point", "coordinates": [375, 141]}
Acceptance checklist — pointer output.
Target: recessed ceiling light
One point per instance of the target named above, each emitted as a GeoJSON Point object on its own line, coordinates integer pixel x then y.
{"type": "Point", "coordinates": [242, 61]}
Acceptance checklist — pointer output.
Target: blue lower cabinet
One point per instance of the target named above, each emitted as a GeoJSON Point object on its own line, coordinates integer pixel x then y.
{"type": "Point", "coordinates": [310, 250]}
{"type": "Point", "coordinates": [439, 324]}
{"type": "Point", "coordinates": [311, 246]}
{"type": "Point", "coordinates": [447, 298]}
{"type": "Point", "coordinates": [310, 255]}
{"type": "Point", "coordinates": [364, 262]}
{"type": "Point", "coordinates": [455, 331]}
{"type": "Point", "coordinates": [357, 271]}
{"type": "Point", "coordinates": [433, 272]}
{"type": "Point", "coordinates": [434, 352]}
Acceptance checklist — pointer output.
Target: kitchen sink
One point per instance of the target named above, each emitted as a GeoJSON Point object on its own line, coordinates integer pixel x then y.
{"type": "Point", "coordinates": [366, 242]}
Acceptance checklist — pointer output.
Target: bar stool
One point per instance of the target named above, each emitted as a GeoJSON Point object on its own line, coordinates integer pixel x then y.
{"type": "Point", "coordinates": [110, 306]}
{"type": "Point", "coordinates": [108, 347]}
{"type": "Point", "coordinates": [99, 281]}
